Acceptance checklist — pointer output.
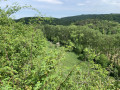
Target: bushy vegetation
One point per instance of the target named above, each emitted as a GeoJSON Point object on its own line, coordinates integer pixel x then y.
{"type": "Point", "coordinates": [85, 40]}
{"type": "Point", "coordinates": [28, 63]}
{"type": "Point", "coordinates": [24, 62]}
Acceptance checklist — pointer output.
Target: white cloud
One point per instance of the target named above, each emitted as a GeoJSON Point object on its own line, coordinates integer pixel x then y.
{"type": "Point", "coordinates": [112, 2]}
{"type": "Point", "coordinates": [84, 3]}
{"type": "Point", "coordinates": [81, 4]}
{"type": "Point", "coordinates": [51, 1]}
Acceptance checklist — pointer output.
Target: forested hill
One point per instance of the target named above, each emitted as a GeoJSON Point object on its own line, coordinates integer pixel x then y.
{"type": "Point", "coordinates": [110, 17]}
{"type": "Point", "coordinates": [72, 19]}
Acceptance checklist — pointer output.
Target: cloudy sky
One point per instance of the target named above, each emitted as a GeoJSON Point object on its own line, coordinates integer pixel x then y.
{"type": "Point", "coordinates": [63, 8]}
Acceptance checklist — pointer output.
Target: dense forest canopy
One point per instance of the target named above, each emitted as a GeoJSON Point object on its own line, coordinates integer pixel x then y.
{"type": "Point", "coordinates": [104, 26]}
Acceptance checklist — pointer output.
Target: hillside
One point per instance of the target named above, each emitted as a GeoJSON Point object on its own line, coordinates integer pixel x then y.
{"type": "Point", "coordinates": [110, 17]}
{"type": "Point", "coordinates": [72, 19]}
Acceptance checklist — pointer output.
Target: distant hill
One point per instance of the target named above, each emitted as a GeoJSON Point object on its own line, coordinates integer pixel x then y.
{"type": "Point", "coordinates": [43, 20]}
{"type": "Point", "coordinates": [72, 19]}
{"type": "Point", "coordinates": [109, 17]}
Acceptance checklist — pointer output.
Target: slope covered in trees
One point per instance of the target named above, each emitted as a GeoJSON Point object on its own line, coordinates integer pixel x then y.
{"type": "Point", "coordinates": [99, 35]}
{"type": "Point", "coordinates": [92, 40]}
{"type": "Point", "coordinates": [110, 17]}
{"type": "Point", "coordinates": [72, 19]}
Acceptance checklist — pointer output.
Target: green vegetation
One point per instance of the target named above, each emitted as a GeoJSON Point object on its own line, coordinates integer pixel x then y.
{"type": "Point", "coordinates": [72, 19]}
{"type": "Point", "coordinates": [79, 75]}
{"type": "Point", "coordinates": [38, 56]}
{"type": "Point", "coordinates": [89, 43]}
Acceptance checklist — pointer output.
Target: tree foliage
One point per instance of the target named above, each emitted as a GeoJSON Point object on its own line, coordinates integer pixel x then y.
{"type": "Point", "coordinates": [83, 37]}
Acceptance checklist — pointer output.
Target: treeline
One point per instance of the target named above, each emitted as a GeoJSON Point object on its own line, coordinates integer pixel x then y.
{"type": "Point", "coordinates": [88, 43]}
{"type": "Point", "coordinates": [109, 17]}
{"type": "Point", "coordinates": [72, 19]}
{"type": "Point", "coordinates": [41, 20]}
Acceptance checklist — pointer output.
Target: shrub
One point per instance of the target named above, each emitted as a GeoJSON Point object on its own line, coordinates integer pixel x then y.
{"type": "Point", "coordinates": [87, 55]}
{"type": "Point", "coordinates": [78, 49]}
{"type": "Point", "coordinates": [103, 60]}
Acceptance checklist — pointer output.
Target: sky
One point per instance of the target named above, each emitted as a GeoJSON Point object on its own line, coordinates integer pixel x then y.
{"type": "Point", "coordinates": [64, 8]}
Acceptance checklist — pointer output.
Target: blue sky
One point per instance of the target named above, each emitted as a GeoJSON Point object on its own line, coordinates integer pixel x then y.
{"type": "Point", "coordinates": [63, 8]}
